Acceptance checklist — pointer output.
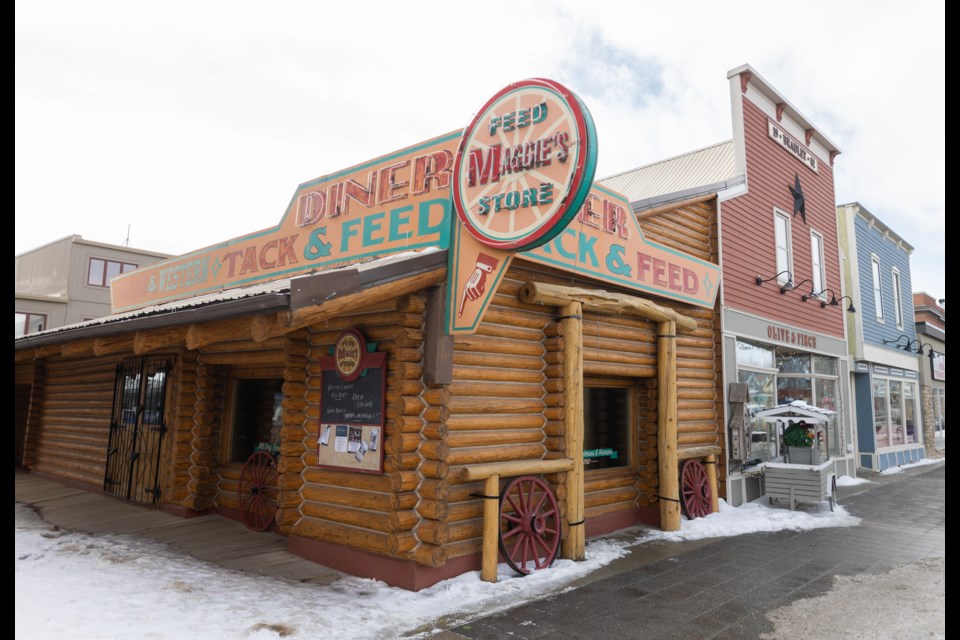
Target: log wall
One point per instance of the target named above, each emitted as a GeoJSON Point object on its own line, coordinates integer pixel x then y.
{"type": "Point", "coordinates": [75, 419]}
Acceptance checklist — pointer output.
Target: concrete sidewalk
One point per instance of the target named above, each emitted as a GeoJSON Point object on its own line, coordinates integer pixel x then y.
{"type": "Point", "coordinates": [724, 588]}
{"type": "Point", "coordinates": [715, 588]}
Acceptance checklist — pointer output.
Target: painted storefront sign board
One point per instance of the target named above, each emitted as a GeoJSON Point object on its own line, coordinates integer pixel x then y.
{"type": "Point", "coordinates": [524, 167]}
{"type": "Point", "coordinates": [786, 141]}
{"type": "Point", "coordinates": [395, 203]}
{"type": "Point", "coordinates": [535, 136]}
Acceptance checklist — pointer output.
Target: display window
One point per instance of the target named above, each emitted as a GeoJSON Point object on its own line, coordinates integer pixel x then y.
{"type": "Point", "coordinates": [895, 412]}
{"type": "Point", "coordinates": [256, 416]}
{"type": "Point", "coordinates": [779, 375]}
{"type": "Point", "coordinates": [609, 419]}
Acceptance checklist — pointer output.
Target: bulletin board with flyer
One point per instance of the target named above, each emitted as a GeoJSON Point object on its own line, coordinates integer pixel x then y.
{"type": "Point", "coordinates": [352, 407]}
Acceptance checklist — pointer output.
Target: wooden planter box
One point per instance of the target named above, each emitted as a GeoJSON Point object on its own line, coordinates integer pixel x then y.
{"type": "Point", "coordinates": [799, 482]}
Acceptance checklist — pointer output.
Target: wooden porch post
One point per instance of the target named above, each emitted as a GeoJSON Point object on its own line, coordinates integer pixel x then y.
{"type": "Point", "coordinates": [667, 425]}
{"type": "Point", "coordinates": [571, 322]}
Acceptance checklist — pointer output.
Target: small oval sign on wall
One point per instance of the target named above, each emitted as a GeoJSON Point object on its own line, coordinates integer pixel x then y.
{"type": "Point", "coordinates": [348, 354]}
{"type": "Point", "coordinates": [525, 165]}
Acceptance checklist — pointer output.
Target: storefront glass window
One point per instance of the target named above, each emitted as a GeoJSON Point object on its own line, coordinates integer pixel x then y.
{"type": "Point", "coordinates": [793, 389]}
{"type": "Point", "coordinates": [880, 412]}
{"type": "Point", "coordinates": [606, 426]}
{"type": "Point", "coordinates": [909, 413]}
{"type": "Point", "coordinates": [824, 365]}
{"type": "Point", "coordinates": [751, 355]}
{"type": "Point", "coordinates": [793, 361]}
{"type": "Point", "coordinates": [257, 416]}
{"type": "Point", "coordinates": [826, 394]}
{"type": "Point", "coordinates": [896, 413]}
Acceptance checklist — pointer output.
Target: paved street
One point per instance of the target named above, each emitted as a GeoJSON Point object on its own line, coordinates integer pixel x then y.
{"type": "Point", "coordinates": [724, 588]}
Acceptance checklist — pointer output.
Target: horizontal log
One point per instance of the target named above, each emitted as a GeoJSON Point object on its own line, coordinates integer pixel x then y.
{"type": "Point", "coordinates": [685, 453]}
{"type": "Point", "coordinates": [338, 306]}
{"type": "Point", "coordinates": [498, 374]}
{"type": "Point", "coordinates": [502, 360]}
{"type": "Point", "coordinates": [390, 522]}
{"type": "Point", "coordinates": [433, 489]}
{"type": "Point", "coordinates": [477, 405]}
{"type": "Point", "coordinates": [599, 300]}
{"type": "Point", "coordinates": [429, 555]}
{"type": "Point", "coordinates": [460, 439]}
{"type": "Point", "coordinates": [435, 532]}
{"type": "Point", "coordinates": [437, 469]}
{"type": "Point", "coordinates": [513, 468]}
{"type": "Point", "coordinates": [434, 449]}
{"type": "Point", "coordinates": [113, 344]}
{"type": "Point", "coordinates": [498, 453]}
{"type": "Point", "coordinates": [494, 421]}
{"type": "Point", "coordinates": [360, 499]}
{"type": "Point", "coordinates": [432, 509]}
{"type": "Point", "coordinates": [349, 536]}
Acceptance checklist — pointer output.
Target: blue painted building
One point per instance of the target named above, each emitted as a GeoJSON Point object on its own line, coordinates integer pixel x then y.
{"type": "Point", "coordinates": [882, 341]}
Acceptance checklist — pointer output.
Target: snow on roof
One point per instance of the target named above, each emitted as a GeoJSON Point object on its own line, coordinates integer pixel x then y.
{"type": "Point", "coordinates": [797, 408]}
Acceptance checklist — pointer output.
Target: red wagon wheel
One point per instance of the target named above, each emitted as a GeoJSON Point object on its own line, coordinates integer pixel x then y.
{"type": "Point", "coordinates": [529, 524]}
{"type": "Point", "coordinates": [258, 491]}
{"type": "Point", "coordinates": [694, 489]}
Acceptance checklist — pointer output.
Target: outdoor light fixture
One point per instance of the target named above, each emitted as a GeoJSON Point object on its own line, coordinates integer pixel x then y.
{"type": "Point", "coordinates": [902, 336]}
{"type": "Point", "coordinates": [812, 294]}
{"type": "Point", "coordinates": [790, 285]}
{"type": "Point", "coordinates": [930, 352]}
{"type": "Point", "coordinates": [760, 279]}
{"type": "Point", "coordinates": [835, 302]}
{"type": "Point", "coordinates": [920, 345]}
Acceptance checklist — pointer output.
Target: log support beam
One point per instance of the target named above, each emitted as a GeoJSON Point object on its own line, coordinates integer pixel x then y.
{"type": "Point", "coordinates": [491, 473]}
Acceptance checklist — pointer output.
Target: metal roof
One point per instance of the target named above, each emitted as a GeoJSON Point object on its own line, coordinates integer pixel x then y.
{"type": "Point", "coordinates": [255, 299]}
{"type": "Point", "coordinates": [707, 166]}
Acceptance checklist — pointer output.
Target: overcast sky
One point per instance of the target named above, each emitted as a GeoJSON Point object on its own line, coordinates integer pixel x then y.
{"type": "Point", "coordinates": [177, 125]}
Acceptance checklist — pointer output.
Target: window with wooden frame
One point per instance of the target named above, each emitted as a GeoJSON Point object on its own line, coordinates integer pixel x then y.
{"type": "Point", "coordinates": [609, 423]}
{"type": "Point", "coordinates": [254, 418]}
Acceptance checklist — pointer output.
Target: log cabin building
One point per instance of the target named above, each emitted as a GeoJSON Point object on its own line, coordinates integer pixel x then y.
{"type": "Point", "coordinates": [366, 377]}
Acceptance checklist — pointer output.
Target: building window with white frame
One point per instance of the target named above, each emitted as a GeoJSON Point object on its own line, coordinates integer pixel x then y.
{"type": "Point", "coordinates": [818, 274]}
{"type": "Point", "coordinates": [877, 289]}
{"type": "Point", "coordinates": [781, 227]}
{"type": "Point", "coordinates": [895, 412]}
{"type": "Point", "coordinates": [897, 300]}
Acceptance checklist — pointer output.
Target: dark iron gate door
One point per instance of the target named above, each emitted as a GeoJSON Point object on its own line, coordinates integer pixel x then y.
{"type": "Point", "coordinates": [137, 428]}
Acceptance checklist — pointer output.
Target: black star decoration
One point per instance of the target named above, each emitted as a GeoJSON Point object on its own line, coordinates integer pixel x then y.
{"type": "Point", "coordinates": [799, 202]}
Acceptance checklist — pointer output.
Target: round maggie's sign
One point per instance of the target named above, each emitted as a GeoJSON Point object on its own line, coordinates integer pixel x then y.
{"type": "Point", "coordinates": [525, 165]}
{"type": "Point", "coordinates": [348, 354]}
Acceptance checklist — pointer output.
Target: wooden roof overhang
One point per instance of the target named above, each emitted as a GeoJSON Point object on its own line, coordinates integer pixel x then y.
{"type": "Point", "coordinates": [259, 312]}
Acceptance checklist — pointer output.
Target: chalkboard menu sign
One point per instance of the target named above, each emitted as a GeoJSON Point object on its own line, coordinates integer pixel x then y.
{"type": "Point", "coordinates": [351, 407]}
{"type": "Point", "coordinates": [357, 402]}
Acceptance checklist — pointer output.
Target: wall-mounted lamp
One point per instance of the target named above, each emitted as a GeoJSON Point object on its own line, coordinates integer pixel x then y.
{"type": "Point", "coordinates": [790, 285]}
{"type": "Point", "coordinates": [835, 302]}
{"type": "Point", "coordinates": [920, 345]}
{"type": "Point", "coordinates": [896, 342]}
{"type": "Point", "coordinates": [812, 294]}
{"type": "Point", "coordinates": [760, 279]}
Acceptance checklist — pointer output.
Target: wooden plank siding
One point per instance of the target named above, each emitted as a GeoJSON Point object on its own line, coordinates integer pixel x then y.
{"type": "Point", "coordinates": [748, 233]}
